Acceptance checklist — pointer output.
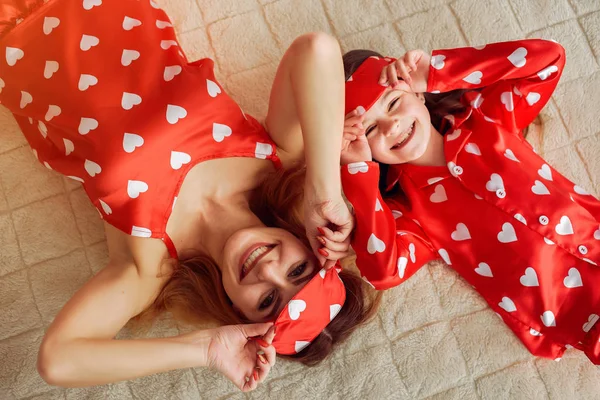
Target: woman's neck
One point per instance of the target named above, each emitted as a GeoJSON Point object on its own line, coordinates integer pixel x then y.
{"type": "Point", "coordinates": [434, 153]}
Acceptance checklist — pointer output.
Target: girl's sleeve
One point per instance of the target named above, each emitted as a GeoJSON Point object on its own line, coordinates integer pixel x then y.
{"type": "Point", "coordinates": [389, 247]}
{"type": "Point", "coordinates": [516, 78]}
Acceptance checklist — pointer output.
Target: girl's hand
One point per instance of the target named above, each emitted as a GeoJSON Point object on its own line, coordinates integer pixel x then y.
{"type": "Point", "coordinates": [355, 147]}
{"type": "Point", "coordinates": [243, 353]}
{"type": "Point", "coordinates": [413, 68]}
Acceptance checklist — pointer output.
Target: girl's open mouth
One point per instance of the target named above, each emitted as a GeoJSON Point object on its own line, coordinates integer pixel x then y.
{"type": "Point", "coordinates": [404, 137]}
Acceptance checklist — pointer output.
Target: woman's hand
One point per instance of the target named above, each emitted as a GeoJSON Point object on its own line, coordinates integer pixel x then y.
{"type": "Point", "coordinates": [413, 68]}
{"type": "Point", "coordinates": [243, 353]}
{"type": "Point", "coordinates": [355, 147]}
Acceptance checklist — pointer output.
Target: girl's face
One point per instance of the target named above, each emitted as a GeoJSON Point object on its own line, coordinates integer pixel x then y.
{"type": "Point", "coordinates": [398, 126]}
{"type": "Point", "coordinates": [263, 268]}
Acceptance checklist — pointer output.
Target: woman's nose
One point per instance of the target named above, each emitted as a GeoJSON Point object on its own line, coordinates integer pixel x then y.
{"type": "Point", "coordinates": [269, 271]}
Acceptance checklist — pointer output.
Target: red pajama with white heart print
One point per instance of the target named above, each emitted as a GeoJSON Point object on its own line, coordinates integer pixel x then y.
{"type": "Point", "coordinates": [524, 236]}
{"type": "Point", "coordinates": [105, 96]}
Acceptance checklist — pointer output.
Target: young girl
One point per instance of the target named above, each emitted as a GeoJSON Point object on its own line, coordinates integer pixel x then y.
{"type": "Point", "coordinates": [472, 189]}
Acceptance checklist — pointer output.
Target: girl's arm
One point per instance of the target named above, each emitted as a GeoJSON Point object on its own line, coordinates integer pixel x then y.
{"type": "Point", "coordinates": [517, 78]}
{"type": "Point", "coordinates": [389, 248]}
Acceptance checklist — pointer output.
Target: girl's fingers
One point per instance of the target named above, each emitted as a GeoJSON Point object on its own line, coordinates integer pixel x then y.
{"type": "Point", "coordinates": [349, 136]}
{"type": "Point", "coordinates": [354, 119]}
{"type": "Point", "coordinates": [405, 73]}
{"type": "Point", "coordinates": [353, 130]}
{"type": "Point", "coordinates": [392, 74]}
{"type": "Point", "coordinates": [383, 77]}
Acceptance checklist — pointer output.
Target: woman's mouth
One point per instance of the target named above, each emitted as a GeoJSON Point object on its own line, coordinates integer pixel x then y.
{"type": "Point", "coordinates": [404, 137]}
{"type": "Point", "coordinates": [252, 256]}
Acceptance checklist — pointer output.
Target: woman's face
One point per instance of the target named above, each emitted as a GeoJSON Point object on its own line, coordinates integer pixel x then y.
{"type": "Point", "coordinates": [398, 126]}
{"type": "Point", "coordinates": [263, 268]}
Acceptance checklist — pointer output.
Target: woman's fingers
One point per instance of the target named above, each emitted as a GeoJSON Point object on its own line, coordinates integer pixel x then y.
{"type": "Point", "coordinates": [332, 246]}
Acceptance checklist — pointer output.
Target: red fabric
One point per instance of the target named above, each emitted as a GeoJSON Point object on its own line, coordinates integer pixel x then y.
{"type": "Point", "coordinates": [363, 88]}
{"type": "Point", "coordinates": [530, 242]}
{"type": "Point", "coordinates": [105, 96]}
{"type": "Point", "coordinates": [309, 312]}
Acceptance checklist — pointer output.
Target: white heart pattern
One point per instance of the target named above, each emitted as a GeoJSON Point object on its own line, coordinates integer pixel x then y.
{"type": "Point", "coordinates": [592, 319]}
{"type": "Point", "coordinates": [431, 181]}
{"type": "Point", "coordinates": [517, 57]}
{"type": "Point", "coordinates": [507, 234]}
{"type": "Point", "coordinates": [439, 195]}
{"type": "Point", "coordinates": [539, 188]}
{"type": "Point", "coordinates": [163, 24]}
{"type": "Point", "coordinates": [597, 234]}
{"type": "Point", "coordinates": [50, 68]}
{"type": "Point", "coordinates": [378, 206]}
{"type": "Point", "coordinates": [322, 273]}
{"type": "Point", "coordinates": [2, 84]}
{"type": "Point", "coordinates": [532, 98]}
{"type": "Point", "coordinates": [573, 279]}
{"type": "Point", "coordinates": [375, 245]}
{"type": "Point", "coordinates": [43, 129]}
{"type": "Point", "coordinates": [472, 148]}
{"type": "Point", "coordinates": [130, 100]}
{"type": "Point", "coordinates": [129, 56]}
{"type": "Point", "coordinates": [134, 188]}
{"type": "Point", "coordinates": [13, 55]}
{"type": "Point", "coordinates": [140, 231]}
{"type": "Point", "coordinates": [130, 23]}
{"type": "Point", "coordinates": [300, 345]}
{"type": "Point", "coordinates": [166, 44]}
{"type": "Point", "coordinates": [397, 214]}
{"type": "Point", "coordinates": [86, 125]}
{"type": "Point", "coordinates": [171, 72]}
{"type": "Point", "coordinates": [484, 269]}
{"type": "Point", "coordinates": [444, 254]}
{"type": "Point", "coordinates": [131, 141]}
{"type": "Point", "coordinates": [495, 183]}
{"type": "Point", "coordinates": [520, 218]}
{"type": "Point", "coordinates": [508, 153]}
{"type": "Point", "coordinates": [26, 99]}
{"type": "Point", "coordinates": [220, 132]}
{"type": "Point", "coordinates": [579, 190]}
{"type": "Point", "coordinates": [545, 172]}
{"type": "Point", "coordinates": [564, 227]}
{"type": "Point", "coordinates": [178, 159]}
{"type": "Point", "coordinates": [92, 168]}
{"type": "Point", "coordinates": [546, 72]}
{"type": "Point", "coordinates": [507, 304]}
{"type": "Point", "coordinates": [506, 98]}
{"type": "Point", "coordinates": [175, 113]}
{"type": "Point", "coordinates": [212, 88]}
{"type": "Point", "coordinates": [476, 103]}
{"type": "Point", "coordinates": [356, 167]}
{"type": "Point", "coordinates": [437, 61]}
{"type": "Point", "coordinates": [334, 309]}
{"type": "Point", "coordinates": [107, 210]}
{"type": "Point", "coordinates": [412, 252]}
{"type": "Point", "coordinates": [454, 135]}
{"type": "Point", "coordinates": [530, 279]}
{"type": "Point", "coordinates": [75, 178]}
{"type": "Point", "coordinates": [533, 332]}
{"type": "Point", "coordinates": [402, 262]}
{"type": "Point", "coordinates": [461, 232]}
{"type": "Point", "coordinates": [49, 24]}
{"type": "Point", "coordinates": [474, 78]}
{"type": "Point", "coordinates": [85, 81]}
{"type": "Point", "coordinates": [295, 308]}
{"type": "Point", "coordinates": [87, 42]}
{"type": "Point", "coordinates": [548, 241]}
{"type": "Point", "coordinates": [263, 150]}
{"type": "Point", "coordinates": [89, 4]}
{"type": "Point", "coordinates": [53, 111]}
{"type": "Point", "coordinates": [548, 318]}
{"type": "Point", "coordinates": [69, 146]}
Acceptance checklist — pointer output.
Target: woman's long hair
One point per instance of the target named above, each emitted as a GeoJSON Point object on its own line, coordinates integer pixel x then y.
{"type": "Point", "coordinates": [194, 292]}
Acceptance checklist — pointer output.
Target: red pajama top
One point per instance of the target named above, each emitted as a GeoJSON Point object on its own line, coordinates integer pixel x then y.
{"type": "Point", "coordinates": [522, 234]}
{"type": "Point", "coordinates": [105, 96]}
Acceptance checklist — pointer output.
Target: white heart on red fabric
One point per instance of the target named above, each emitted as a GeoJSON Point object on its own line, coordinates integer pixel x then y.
{"type": "Point", "coordinates": [86, 125]}
{"type": "Point", "coordinates": [548, 318]}
{"type": "Point", "coordinates": [472, 148]}
{"type": "Point", "coordinates": [484, 269]}
{"type": "Point", "coordinates": [548, 241]}
{"type": "Point", "coordinates": [397, 214]}
{"type": "Point", "coordinates": [295, 308]}
{"type": "Point", "coordinates": [129, 100]}
{"type": "Point", "coordinates": [431, 181]}
{"type": "Point", "coordinates": [508, 153]}
{"type": "Point", "coordinates": [88, 41]}
{"type": "Point", "coordinates": [495, 183]}
{"type": "Point", "coordinates": [530, 279]}
{"type": "Point", "coordinates": [69, 146]}
{"type": "Point", "coordinates": [517, 91]}
{"type": "Point", "coordinates": [26, 99]}
{"type": "Point", "coordinates": [597, 234]}
{"type": "Point", "coordinates": [43, 129]}
{"type": "Point", "coordinates": [300, 345]}
{"type": "Point", "coordinates": [592, 319]}
{"type": "Point", "coordinates": [178, 159]}
{"type": "Point", "coordinates": [589, 261]}
{"type": "Point", "coordinates": [85, 81]}
{"type": "Point", "coordinates": [131, 141]}
{"type": "Point", "coordinates": [375, 245]}
{"type": "Point", "coordinates": [401, 264]}
{"type": "Point", "coordinates": [545, 172]}
{"type": "Point", "coordinates": [579, 190]}
{"type": "Point", "coordinates": [49, 24]}
{"type": "Point", "coordinates": [437, 61]}
{"type": "Point", "coordinates": [140, 231]}
{"type": "Point", "coordinates": [473, 78]}
{"type": "Point", "coordinates": [175, 113]}
{"type": "Point", "coordinates": [75, 178]}
{"type": "Point", "coordinates": [334, 309]}
{"type": "Point", "coordinates": [47, 166]}
{"type": "Point", "coordinates": [263, 150]}
{"type": "Point", "coordinates": [444, 254]}
{"type": "Point", "coordinates": [564, 227]}
{"type": "Point", "coordinates": [89, 4]}
{"type": "Point", "coordinates": [53, 111]}
{"type": "Point", "coordinates": [507, 234]}
{"type": "Point", "coordinates": [134, 188]}
{"type": "Point", "coordinates": [92, 168]}
{"type": "Point", "coordinates": [212, 88]}
{"type": "Point", "coordinates": [532, 98]}
{"type": "Point", "coordinates": [533, 332]}
{"type": "Point", "coordinates": [478, 197]}
{"type": "Point", "coordinates": [412, 252]}
{"type": "Point", "coordinates": [171, 72]}
{"type": "Point", "coordinates": [107, 210]}
{"type": "Point", "coordinates": [454, 135]}
{"type": "Point", "coordinates": [506, 98]}
{"type": "Point", "coordinates": [378, 206]}
{"type": "Point", "coordinates": [517, 57]}
{"type": "Point", "coordinates": [220, 132]}
{"type": "Point", "coordinates": [50, 68]}
{"type": "Point", "coordinates": [461, 232]}
{"type": "Point", "coordinates": [129, 56]}
{"type": "Point", "coordinates": [476, 103]}
{"type": "Point", "coordinates": [322, 273]}
{"type": "Point", "coordinates": [521, 218]}
{"type": "Point", "coordinates": [573, 279]}
{"type": "Point", "coordinates": [166, 44]}
{"type": "Point", "coordinates": [13, 54]}
{"type": "Point", "coordinates": [356, 167]}
{"type": "Point", "coordinates": [546, 72]}
{"type": "Point", "coordinates": [130, 23]}
{"type": "Point", "coordinates": [163, 24]}
{"type": "Point", "coordinates": [2, 84]}
{"type": "Point", "coordinates": [507, 304]}
{"type": "Point", "coordinates": [539, 188]}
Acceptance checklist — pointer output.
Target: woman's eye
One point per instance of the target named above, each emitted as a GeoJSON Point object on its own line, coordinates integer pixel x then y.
{"type": "Point", "coordinates": [267, 301]}
{"type": "Point", "coordinates": [393, 103]}
{"type": "Point", "coordinates": [299, 270]}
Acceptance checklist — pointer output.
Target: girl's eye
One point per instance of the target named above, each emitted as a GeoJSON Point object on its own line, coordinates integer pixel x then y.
{"type": "Point", "coordinates": [267, 301]}
{"type": "Point", "coordinates": [393, 103]}
{"type": "Point", "coordinates": [298, 271]}
{"type": "Point", "coordinates": [370, 129]}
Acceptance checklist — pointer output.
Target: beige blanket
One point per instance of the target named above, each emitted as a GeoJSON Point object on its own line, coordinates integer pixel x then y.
{"type": "Point", "coordinates": [434, 337]}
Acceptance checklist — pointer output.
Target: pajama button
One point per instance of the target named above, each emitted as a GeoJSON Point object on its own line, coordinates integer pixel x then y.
{"type": "Point", "coordinates": [501, 193]}
{"type": "Point", "coordinates": [458, 170]}
{"type": "Point", "coordinates": [582, 249]}
{"type": "Point", "coordinates": [544, 220]}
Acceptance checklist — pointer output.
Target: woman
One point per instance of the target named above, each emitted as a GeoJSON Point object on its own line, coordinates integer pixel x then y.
{"type": "Point", "coordinates": [104, 96]}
